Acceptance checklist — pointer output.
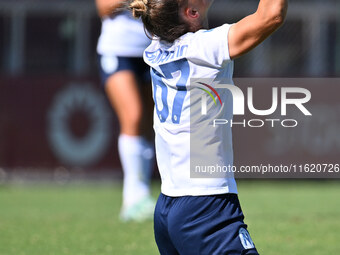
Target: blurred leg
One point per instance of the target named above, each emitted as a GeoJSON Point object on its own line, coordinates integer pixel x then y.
{"type": "Point", "coordinates": [122, 90]}
{"type": "Point", "coordinates": [147, 114]}
{"type": "Point", "coordinates": [135, 152]}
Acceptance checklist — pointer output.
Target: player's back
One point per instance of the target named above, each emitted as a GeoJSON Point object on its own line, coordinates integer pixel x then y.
{"type": "Point", "coordinates": [183, 134]}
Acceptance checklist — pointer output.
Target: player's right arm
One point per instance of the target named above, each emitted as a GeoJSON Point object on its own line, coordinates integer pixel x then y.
{"type": "Point", "coordinates": [255, 28]}
{"type": "Point", "coordinates": [107, 7]}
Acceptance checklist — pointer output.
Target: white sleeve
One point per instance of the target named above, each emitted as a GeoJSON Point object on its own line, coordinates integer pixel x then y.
{"type": "Point", "coordinates": [210, 47]}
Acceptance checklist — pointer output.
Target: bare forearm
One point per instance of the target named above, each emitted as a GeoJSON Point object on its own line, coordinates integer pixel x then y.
{"type": "Point", "coordinates": [107, 7]}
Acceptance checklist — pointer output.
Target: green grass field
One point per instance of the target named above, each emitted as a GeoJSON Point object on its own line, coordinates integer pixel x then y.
{"type": "Point", "coordinates": [287, 217]}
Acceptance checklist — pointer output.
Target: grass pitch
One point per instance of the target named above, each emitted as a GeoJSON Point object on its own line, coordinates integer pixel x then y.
{"type": "Point", "coordinates": [284, 217]}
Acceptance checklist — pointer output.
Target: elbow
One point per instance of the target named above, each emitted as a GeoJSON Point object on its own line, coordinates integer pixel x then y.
{"type": "Point", "coordinates": [274, 17]}
{"type": "Point", "coordinates": [279, 14]}
{"type": "Point", "coordinates": [278, 21]}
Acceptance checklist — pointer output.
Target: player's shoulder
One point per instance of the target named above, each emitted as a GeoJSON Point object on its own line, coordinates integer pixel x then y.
{"type": "Point", "coordinates": [190, 45]}
{"type": "Point", "coordinates": [212, 33]}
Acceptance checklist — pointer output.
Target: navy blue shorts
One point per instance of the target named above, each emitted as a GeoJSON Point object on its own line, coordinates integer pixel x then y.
{"type": "Point", "coordinates": [201, 225]}
{"type": "Point", "coordinates": [110, 64]}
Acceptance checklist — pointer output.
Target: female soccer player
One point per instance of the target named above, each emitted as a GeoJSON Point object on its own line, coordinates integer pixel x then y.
{"type": "Point", "coordinates": [120, 48]}
{"type": "Point", "coordinates": [197, 215]}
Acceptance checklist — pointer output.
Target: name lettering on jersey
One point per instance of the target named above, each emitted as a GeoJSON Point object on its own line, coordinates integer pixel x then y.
{"type": "Point", "coordinates": [162, 56]}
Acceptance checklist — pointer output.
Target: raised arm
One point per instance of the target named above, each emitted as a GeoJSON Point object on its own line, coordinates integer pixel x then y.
{"type": "Point", "coordinates": [107, 7]}
{"type": "Point", "coordinates": [255, 28]}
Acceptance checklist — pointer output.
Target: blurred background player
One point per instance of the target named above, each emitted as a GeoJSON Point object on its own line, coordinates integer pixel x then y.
{"type": "Point", "coordinates": [123, 71]}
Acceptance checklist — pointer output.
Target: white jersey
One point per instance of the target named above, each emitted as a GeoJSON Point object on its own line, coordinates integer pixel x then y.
{"type": "Point", "coordinates": [123, 36]}
{"type": "Point", "coordinates": [183, 134]}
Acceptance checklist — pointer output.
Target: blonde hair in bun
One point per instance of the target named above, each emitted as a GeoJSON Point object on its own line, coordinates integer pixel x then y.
{"type": "Point", "coordinates": [161, 18]}
{"type": "Point", "coordinates": [139, 8]}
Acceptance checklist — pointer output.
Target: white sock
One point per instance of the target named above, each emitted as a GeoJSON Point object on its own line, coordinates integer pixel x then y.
{"type": "Point", "coordinates": [136, 156]}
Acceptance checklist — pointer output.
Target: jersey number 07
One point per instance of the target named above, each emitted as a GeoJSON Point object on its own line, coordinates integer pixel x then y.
{"type": "Point", "coordinates": [171, 71]}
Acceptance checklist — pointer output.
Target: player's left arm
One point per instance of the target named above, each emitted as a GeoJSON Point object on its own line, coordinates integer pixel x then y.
{"type": "Point", "coordinates": [107, 7]}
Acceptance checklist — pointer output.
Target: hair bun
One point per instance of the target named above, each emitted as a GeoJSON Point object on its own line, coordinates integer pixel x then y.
{"type": "Point", "coordinates": [139, 8]}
